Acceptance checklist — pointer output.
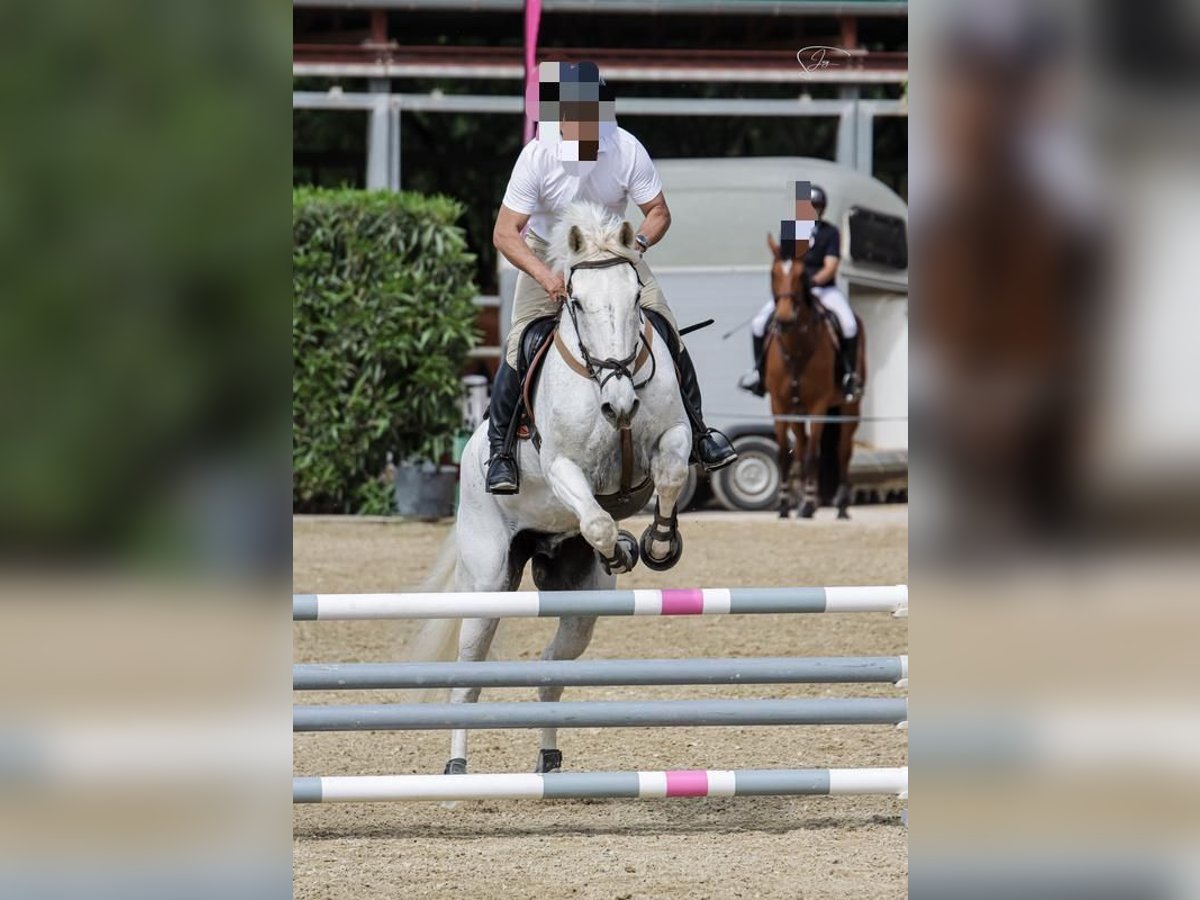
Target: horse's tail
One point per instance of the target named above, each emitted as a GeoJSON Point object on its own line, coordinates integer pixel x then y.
{"type": "Point", "coordinates": [437, 639]}
{"type": "Point", "coordinates": [441, 573]}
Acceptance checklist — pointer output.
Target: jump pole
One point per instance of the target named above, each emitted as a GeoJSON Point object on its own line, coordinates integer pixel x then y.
{"type": "Point", "coordinates": [601, 673]}
{"type": "Point", "coordinates": [542, 604]}
{"type": "Point", "coordinates": [606, 714]}
{"type": "Point", "coordinates": [590, 785]}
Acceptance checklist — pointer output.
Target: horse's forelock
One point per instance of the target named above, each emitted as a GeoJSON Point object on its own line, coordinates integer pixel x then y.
{"type": "Point", "coordinates": [601, 234]}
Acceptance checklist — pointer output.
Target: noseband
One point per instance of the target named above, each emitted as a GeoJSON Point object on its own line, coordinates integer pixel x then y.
{"type": "Point", "coordinates": [602, 371]}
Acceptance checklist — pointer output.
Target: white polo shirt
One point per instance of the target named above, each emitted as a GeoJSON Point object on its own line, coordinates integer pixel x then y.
{"type": "Point", "coordinates": [541, 188]}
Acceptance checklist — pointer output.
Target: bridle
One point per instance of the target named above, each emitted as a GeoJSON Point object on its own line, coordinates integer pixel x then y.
{"type": "Point", "coordinates": [800, 323]}
{"type": "Point", "coordinates": [602, 371]}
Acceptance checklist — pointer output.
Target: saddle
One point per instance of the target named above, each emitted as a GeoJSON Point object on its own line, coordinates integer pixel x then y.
{"type": "Point", "coordinates": [538, 336]}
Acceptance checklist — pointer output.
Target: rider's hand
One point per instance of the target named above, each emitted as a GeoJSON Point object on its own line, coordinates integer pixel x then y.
{"type": "Point", "coordinates": [552, 283]}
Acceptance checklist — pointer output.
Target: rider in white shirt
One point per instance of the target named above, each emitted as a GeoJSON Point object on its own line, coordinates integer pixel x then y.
{"type": "Point", "coordinates": [580, 154]}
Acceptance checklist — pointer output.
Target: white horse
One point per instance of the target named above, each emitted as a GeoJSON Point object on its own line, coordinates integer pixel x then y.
{"type": "Point", "coordinates": [609, 373]}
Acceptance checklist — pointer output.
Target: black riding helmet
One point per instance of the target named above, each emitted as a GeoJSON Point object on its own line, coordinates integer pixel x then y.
{"type": "Point", "coordinates": [818, 197]}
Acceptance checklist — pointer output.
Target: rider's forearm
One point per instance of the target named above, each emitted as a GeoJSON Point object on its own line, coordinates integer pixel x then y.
{"type": "Point", "coordinates": [517, 252]}
{"type": "Point", "coordinates": [826, 276]}
{"type": "Point", "coordinates": [655, 225]}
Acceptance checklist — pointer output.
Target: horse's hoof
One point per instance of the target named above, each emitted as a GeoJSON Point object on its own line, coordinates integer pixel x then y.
{"type": "Point", "coordinates": [549, 761]}
{"type": "Point", "coordinates": [783, 512]}
{"type": "Point", "coordinates": [456, 766]}
{"type": "Point", "coordinates": [807, 510]}
{"type": "Point", "coordinates": [625, 555]}
{"type": "Point", "coordinates": [843, 514]}
{"type": "Point", "coordinates": [672, 557]}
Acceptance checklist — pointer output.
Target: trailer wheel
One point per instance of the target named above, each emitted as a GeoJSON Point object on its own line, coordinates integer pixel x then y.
{"type": "Point", "coordinates": [751, 483]}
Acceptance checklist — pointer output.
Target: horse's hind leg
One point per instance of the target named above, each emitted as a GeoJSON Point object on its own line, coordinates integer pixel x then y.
{"type": "Point", "coordinates": [490, 559]}
{"type": "Point", "coordinates": [474, 642]}
{"type": "Point", "coordinates": [570, 640]}
{"type": "Point", "coordinates": [573, 567]}
{"type": "Point", "coordinates": [661, 544]}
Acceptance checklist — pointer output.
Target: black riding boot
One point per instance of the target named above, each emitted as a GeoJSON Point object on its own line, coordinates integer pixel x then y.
{"type": "Point", "coordinates": [851, 384]}
{"type": "Point", "coordinates": [712, 449]}
{"type": "Point", "coordinates": [503, 476]}
{"type": "Point", "coordinates": [760, 362]}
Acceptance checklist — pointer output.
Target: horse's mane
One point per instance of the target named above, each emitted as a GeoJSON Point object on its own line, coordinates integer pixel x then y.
{"type": "Point", "coordinates": [601, 234]}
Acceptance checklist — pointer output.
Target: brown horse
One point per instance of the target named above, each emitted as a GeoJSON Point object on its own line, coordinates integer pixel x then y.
{"type": "Point", "coordinates": [803, 378]}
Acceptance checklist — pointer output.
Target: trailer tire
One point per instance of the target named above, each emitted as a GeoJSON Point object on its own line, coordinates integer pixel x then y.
{"type": "Point", "coordinates": [751, 483]}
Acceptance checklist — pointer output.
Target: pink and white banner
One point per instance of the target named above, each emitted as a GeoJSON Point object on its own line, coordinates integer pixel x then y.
{"type": "Point", "coordinates": [533, 18]}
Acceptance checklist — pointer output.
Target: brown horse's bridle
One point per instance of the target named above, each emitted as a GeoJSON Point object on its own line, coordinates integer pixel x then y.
{"type": "Point", "coordinates": [797, 324]}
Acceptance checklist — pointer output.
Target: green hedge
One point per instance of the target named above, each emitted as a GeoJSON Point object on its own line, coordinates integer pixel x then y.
{"type": "Point", "coordinates": [382, 320]}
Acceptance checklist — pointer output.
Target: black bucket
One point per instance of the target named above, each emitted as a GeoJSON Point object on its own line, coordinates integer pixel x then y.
{"type": "Point", "coordinates": [425, 491]}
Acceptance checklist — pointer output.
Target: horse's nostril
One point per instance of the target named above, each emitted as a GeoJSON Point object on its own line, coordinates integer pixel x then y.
{"type": "Point", "coordinates": [607, 410]}
{"type": "Point", "coordinates": [633, 409]}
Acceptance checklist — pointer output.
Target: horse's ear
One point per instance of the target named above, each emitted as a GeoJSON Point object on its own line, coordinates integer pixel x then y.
{"type": "Point", "coordinates": [627, 235]}
{"type": "Point", "coordinates": [773, 245]}
{"type": "Point", "coordinates": [575, 239]}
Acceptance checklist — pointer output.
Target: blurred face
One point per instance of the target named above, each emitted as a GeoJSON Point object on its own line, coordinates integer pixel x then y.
{"type": "Point", "coordinates": [574, 110]}
{"type": "Point", "coordinates": [581, 122]}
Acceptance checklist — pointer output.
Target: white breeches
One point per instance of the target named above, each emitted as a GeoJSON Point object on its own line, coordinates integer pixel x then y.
{"type": "Point", "coordinates": [835, 301]}
{"type": "Point", "coordinates": [758, 325]}
{"type": "Point", "coordinates": [831, 298]}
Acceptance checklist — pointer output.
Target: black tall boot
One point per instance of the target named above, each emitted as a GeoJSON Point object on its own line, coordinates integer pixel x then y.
{"type": "Point", "coordinates": [755, 381]}
{"type": "Point", "coordinates": [503, 476]}
{"type": "Point", "coordinates": [851, 383]}
{"type": "Point", "coordinates": [712, 449]}
{"type": "Point", "coordinates": [760, 362]}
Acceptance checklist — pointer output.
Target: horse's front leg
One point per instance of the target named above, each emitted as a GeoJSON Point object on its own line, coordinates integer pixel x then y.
{"type": "Point", "coordinates": [661, 543]}
{"type": "Point", "coordinates": [784, 461]}
{"type": "Point", "coordinates": [572, 488]}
